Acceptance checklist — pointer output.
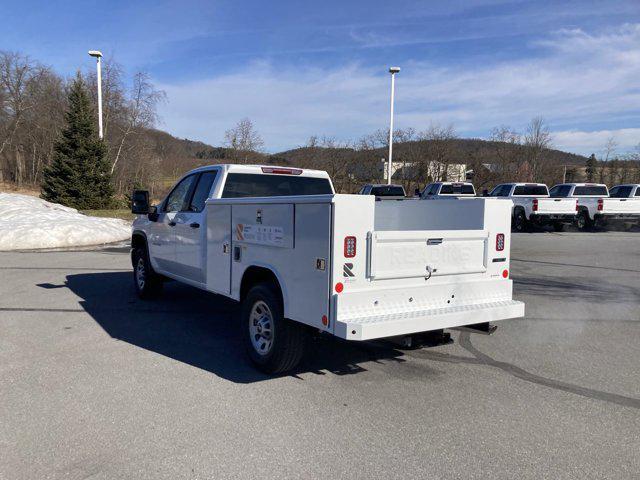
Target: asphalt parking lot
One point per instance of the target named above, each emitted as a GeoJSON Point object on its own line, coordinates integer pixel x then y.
{"type": "Point", "coordinates": [97, 384]}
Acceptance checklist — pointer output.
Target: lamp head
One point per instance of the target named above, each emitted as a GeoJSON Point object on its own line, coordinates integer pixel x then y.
{"type": "Point", "coordinates": [95, 53]}
{"type": "Point", "coordinates": [393, 70]}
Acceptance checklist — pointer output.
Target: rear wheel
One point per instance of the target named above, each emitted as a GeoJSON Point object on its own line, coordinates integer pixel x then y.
{"type": "Point", "coordinates": [147, 282]}
{"type": "Point", "coordinates": [519, 222]}
{"type": "Point", "coordinates": [583, 222]}
{"type": "Point", "coordinates": [273, 343]}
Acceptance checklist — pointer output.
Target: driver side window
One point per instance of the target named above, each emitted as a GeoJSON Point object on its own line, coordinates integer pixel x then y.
{"type": "Point", "coordinates": [177, 199]}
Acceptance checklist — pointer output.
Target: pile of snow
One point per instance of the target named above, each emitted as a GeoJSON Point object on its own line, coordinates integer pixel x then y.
{"type": "Point", "coordinates": [28, 222]}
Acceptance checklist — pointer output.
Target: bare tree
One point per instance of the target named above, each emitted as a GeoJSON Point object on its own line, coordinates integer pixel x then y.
{"type": "Point", "coordinates": [244, 137]}
{"type": "Point", "coordinates": [537, 140]}
{"type": "Point", "coordinates": [140, 111]}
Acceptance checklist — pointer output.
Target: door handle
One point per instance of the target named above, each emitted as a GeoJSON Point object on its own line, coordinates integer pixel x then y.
{"type": "Point", "coordinates": [172, 224]}
{"type": "Point", "coordinates": [195, 225]}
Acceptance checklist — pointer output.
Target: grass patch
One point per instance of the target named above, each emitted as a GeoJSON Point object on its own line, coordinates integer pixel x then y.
{"type": "Point", "coordinates": [124, 214]}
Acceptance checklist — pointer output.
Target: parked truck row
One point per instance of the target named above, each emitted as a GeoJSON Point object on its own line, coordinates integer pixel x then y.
{"type": "Point", "coordinates": [584, 205]}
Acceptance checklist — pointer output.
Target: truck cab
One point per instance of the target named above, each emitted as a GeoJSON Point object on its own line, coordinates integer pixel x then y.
{"type": "Point", "coordinates": [532, 205]}
{"type": "Point", "coordinates": [598, 205]}
{"type": "Point", "coordinates": [300, 258]}
{"type": "Point", "coordinates": [438, 190]}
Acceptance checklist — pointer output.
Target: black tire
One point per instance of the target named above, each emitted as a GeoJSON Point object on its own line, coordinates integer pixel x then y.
{"type": "Point", "coordinates": [147, 282]}
{"type": "Point", "coordinates": [583, 222]}
{"type": "Point", "coordinates": [558, 227]}
{"type": "Point", "coordinates": [287, 338]}
{"type": "Point", "coordinates": [519, 222]}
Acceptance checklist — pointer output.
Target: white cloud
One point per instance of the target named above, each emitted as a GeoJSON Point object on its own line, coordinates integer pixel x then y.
{"type": "Point", "coordinates": [594, 142]}
{"type": "Point", "coordinates": [576, 80]}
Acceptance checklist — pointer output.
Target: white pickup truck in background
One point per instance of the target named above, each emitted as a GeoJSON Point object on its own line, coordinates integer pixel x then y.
{"type": "Point", "coordinates": [532, 206]}
{"type": "Point", "coordinates": [438, 190]}
{"type": "Point", "coordinates": [598, 205]}
{"type": "Point", "coordinates": [299, 257]}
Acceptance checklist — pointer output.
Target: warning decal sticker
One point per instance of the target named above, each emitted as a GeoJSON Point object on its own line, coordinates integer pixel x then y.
{"type": "Point", "coordinates": [260, 234]}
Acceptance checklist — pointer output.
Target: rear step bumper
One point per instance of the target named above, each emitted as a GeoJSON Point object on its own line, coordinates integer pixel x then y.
{"type": "Point", "coordinates": [372, 327]}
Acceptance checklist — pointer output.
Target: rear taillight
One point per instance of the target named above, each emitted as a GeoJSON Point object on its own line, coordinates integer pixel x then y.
{"type": "Point", "coordinates": [577, 206]}
{"type": "Point", "coordinates": [349, 247]}
{"type": "Point", "coordinates": [600, 204]}
{"type": "Point", "coordinates": [500, 242]}
{"type": "Point", "coordinates": [535, 204]}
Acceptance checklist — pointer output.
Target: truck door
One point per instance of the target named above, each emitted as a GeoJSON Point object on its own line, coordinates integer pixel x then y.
{"type": "Point", "coordinates": [162, 233]}
{"type": "Point", "coordinates": [190, 234]}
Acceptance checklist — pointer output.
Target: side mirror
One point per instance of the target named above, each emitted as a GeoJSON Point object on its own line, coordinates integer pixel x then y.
{"type": "Point", "coordinates": [416, 192]}
{"type": "Point", "coordinates": [485, 193]}
{"type": "Point", "coordinates": [140, 202]}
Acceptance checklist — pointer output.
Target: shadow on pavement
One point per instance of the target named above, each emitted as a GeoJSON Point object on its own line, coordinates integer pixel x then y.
{"type": "Point", "coordinates": [200, 329]}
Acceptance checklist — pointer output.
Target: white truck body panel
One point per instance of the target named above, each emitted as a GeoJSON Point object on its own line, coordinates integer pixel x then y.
{"type": "Point", "coordinates": [418, 266]}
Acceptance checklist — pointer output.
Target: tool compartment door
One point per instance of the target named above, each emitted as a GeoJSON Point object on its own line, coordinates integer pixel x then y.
{"type": "Point", "coordinates": [410, 254]}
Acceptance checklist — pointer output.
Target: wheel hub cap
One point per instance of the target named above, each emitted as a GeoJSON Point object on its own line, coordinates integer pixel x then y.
{"type": "Point", "coordinates": [261, 328]}
{"type": "Point", "coordinates": [140, 274]}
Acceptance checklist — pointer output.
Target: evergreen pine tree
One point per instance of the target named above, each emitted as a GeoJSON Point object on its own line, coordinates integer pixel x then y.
{"type": "Point", "coordinates": [590, 169]}
{"type": "Point", "coordinates": [79, 175]}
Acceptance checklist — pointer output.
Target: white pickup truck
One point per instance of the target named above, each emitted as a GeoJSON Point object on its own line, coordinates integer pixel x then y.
{"type": "Point", "coordinates": [596, 205]}
{"type": "Point", "coordinates": [439, 190]}
{"type": "Point", "coordinates": [300, 257]}
{"type": "Point", "coordinates": [532, 205]}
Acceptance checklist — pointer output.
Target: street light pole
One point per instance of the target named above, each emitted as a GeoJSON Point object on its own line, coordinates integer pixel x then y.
{"type": "Point", "coordinates": [98, 55]}
{"type": "Point", "coordinates": [392, 71]}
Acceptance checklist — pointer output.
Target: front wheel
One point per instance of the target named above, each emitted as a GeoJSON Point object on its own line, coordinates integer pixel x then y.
{"type": "Point", "coordinates": [147, 282]}
{"type": "Point", "coordinates": [273, 343]}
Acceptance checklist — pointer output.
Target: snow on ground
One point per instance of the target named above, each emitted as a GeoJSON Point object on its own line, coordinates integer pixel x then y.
{"type": "Point", "coordinates": [28, 222]}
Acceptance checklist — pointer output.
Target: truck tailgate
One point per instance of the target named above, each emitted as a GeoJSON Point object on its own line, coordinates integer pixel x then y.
{"type": "Point", "coordinates": [409, 254]}
{"type": "Point", "coordinates": [620, 205]}
{"type": "Point", "coordinates": [556, 206]}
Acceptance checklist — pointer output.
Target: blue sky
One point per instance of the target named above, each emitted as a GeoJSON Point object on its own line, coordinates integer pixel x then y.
{"type": "Point", "coordinates": [319, 68]}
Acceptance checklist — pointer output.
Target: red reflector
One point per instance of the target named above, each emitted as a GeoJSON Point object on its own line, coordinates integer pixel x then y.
{"type": "Point", "coordinates": [600, 204]}
{"type": "Point", "coordinates": [325, 320]}
{"type": "Point", "coordinates": [282, 171]}
{"type": "Point", "coordinates": [339, 287]}
{"type": "Point", "coordinates": [535, 204]}
{"type": "Point", "coordinates": [500, 242]}
{"type": "Point", "coordinates": [576, 205]}
{"type": "Point", "coordinates": [505, 273]}
{"type": "Point", "coordinates": [349, 247]}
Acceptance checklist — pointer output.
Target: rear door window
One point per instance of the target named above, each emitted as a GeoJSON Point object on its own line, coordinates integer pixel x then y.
{"type": "Point", "coordinates": [599, 190]}
{"type": "Point", "coordinates": [240, 185]}
{"type": "Point", "coordinates": [468, 190]}
{"type": "Point", "coordinates": [201, 193]}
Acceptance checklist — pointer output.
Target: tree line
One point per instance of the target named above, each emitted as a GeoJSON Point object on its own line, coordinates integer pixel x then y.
{"type": "Point", "coordinates": [35, 103]}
